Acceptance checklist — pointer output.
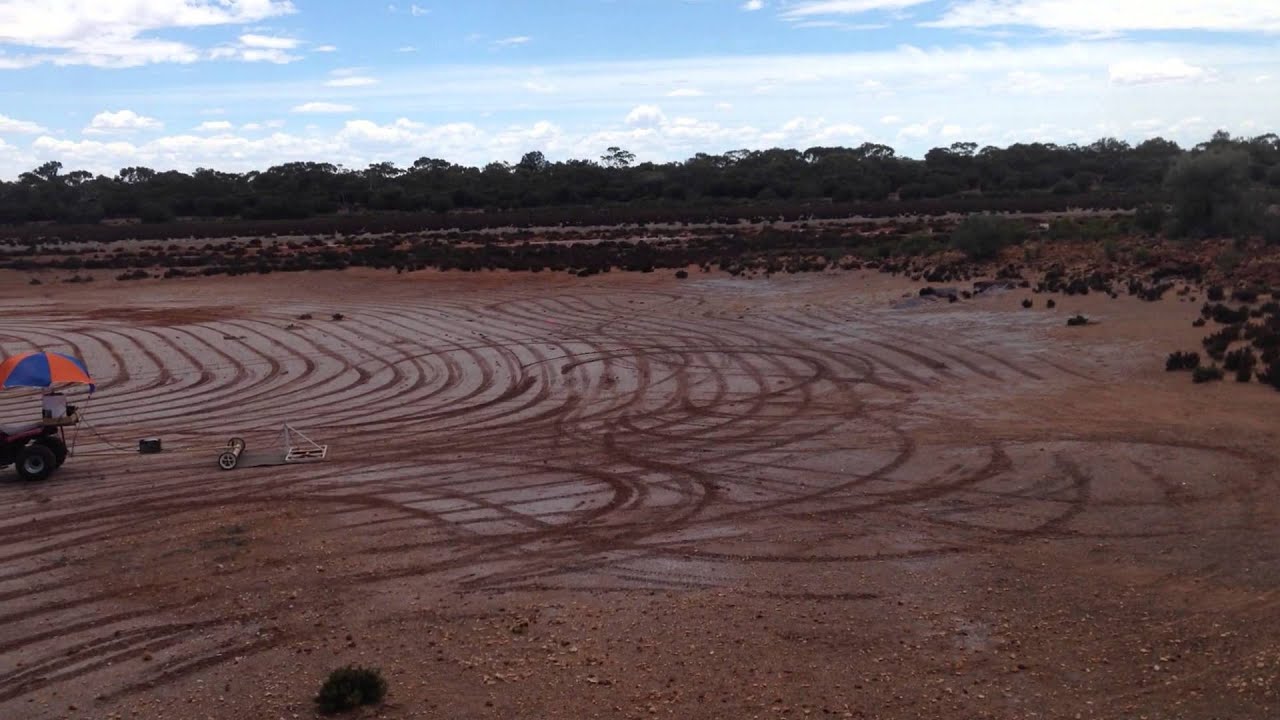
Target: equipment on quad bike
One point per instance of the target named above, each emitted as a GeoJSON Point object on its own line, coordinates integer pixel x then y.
{"type": "Point", "coordinates": [294, 448]}
{"type": "Point", "coordinates": [37, 449]}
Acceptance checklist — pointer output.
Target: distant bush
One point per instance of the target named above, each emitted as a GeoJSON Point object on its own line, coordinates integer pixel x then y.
{"type": "Point", "coordinates": [1272, 375]}
{"type": "Point", "coordinates": [1228, 261]}
{"type": "Point", "coordinates": [1209, 194]}
{"type": "Point", "coordinates": [1217, 294]}
{"type": "Point", "coordinates": [1077, 321]}
{"type": "Point", "coordinates": [1218, 343]}
{"type": "Point", "coordinates": [1271, 227]}
{"type": "Point", "coordinates": [1224, 315]}
{"type": "Point", "coordinates": [1201, 375]}
{"type": "Point", "coordinates": [1241, 362]}
{"type": "Point", "coordinates": [349, 688]}
{"type": "Point", "coordinates": [1245, 295]}
{"type": "Point", "coordinates": [1179, 361]}
{"type": "Point", "coordinates": [1150, 218]}
{"type": "Point", "coordinates": [982, 237]}
{"type": "Point", "coordinates": [154, 213]}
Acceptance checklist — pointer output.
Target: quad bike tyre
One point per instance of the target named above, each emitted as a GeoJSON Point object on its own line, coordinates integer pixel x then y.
{"type": "Point", "coordinates": [36, 462]}
{"type": "Point", "coordinates": [58, 447]}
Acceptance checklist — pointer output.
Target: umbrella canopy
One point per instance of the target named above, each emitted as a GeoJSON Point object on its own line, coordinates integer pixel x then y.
{"type": "Point", "coordinates": [42, 370]}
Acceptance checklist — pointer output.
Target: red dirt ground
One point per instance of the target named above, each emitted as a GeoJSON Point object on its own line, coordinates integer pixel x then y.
{"type": "Point", "coordinates": [633, 497]}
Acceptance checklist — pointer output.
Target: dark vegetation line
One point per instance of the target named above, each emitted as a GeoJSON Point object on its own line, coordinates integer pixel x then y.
{"type": "Point", "coordinates": [819, 182]}
{"type": "Point", "coordinates": [1219, 190]}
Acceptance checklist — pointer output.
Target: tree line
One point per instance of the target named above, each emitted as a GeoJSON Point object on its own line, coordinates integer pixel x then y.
{"type": "Point", "coordinates": [869, 173]}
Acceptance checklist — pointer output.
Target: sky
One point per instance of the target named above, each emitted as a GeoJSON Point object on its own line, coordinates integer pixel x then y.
{"type": "Point", "coordinates": [241, 85]}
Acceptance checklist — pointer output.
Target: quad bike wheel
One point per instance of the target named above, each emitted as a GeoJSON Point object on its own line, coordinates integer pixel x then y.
{"type": "Point", "coordinates": [58, 447]}
{"type": "Point", "coordinates": [36, 462]}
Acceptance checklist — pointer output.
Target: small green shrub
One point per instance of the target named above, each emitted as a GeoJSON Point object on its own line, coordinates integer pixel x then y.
{"type": "Point", "coordinates": [1150, 218]}
{"type": "Point", "coordinates": [982, 237]}
{"type": "Point", "coordinates": [1077, 321]}
{"type": "Point", "coordinates": [1271, 228]}
{"type": "Point", "coordinates": [1242, 363]}
{"type": "Point", "coordinates": [1182, 361]}
{"type": "Point", "coordinates": [350, 687]}
{"type": "Point", "coordinates": [1218, 343]}
{"type": "Point", "coordinates": [1272, 375]}
{"type": "Point", "coordinates": [1201, 375]}
{"type": "Point", "coordinates": [1110, 249]}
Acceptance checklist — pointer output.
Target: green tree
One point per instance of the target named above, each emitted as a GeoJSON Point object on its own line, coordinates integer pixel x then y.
{"type": "Point", "coordinates": [617, 158]}
{"type": "Point", "coordinates": [1210, 193]}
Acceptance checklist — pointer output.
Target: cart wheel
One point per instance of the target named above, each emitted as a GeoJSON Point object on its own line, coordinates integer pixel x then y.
{"type": "Point", "coordinates": [236, 443]}
{"type": "Point", "coordinates": [228, 460]}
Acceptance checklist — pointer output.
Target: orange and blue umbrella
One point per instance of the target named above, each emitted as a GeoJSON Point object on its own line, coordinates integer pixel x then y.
{"type": "Point", "coordinates": [43, 370]}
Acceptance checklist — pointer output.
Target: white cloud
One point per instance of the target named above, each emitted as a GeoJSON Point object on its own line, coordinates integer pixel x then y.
{"type": "Point", "coordinates": [1109, 16]}
{"type": "Point", "coordinates": [724, 106]}
{"type": "Point", "coordinates": [117, 34]}
{"type": "Point", "coordinates": [407, 49]}
{"type": "Point", "coordinates": [214, 126]}
{"type": "Point", "coordinates": [417, 11]}
{"type": "Point", "coordinates": [753, 5]}
{"type": "Point", "coordinates": [1139, 72]}
{"type": "Point", "coordinates": [916, 131]}
{"type": "Point", "coordinates": [268, 42]}
{"type": "Point", "coordinates": [325, 48]}
{"type": "Point", "coordinates": [278, 57]}
{"type": "Point", "coordinates": [1030, 83]}
{"type": "Point", "coordinates": [256, 126]}
{"type": "Point", "coordinates": [818, 8]}
{"type": "Point", "coordinates": [685, 92]}
{"type": "Point", "coordinates": [353, 81]}
{"type": "Point", "coordinates": [323, 107]}
{"type": "Point", "coordinates": [122, 121]}
{"type": "Point", "coordinates": [10, 125]}
{"type": "Point", "coordinates": [258, 48]}
{"type": "Point", "coordinates": [646, 116]}
{"type": "Point", "coordinates": [890, 120]}
{"type": "Point", "coordinates": [350, 77]}
{"type": "Point", "coordinates": [513, 41]}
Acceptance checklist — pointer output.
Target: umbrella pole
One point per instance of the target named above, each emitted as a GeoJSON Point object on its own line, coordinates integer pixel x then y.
{"type": "Point", "coordinates": [71, 449]}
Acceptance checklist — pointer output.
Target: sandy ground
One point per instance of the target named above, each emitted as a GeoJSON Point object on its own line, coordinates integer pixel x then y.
{"type": "Point", "coordinates": [634, 497]}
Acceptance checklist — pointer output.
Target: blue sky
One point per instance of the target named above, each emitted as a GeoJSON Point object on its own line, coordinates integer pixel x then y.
{"type": "Point", "coordinates": [244, 84]}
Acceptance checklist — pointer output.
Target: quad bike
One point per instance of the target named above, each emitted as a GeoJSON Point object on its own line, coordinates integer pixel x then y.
{"type": "Point", "coordinates": [37, 450]}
